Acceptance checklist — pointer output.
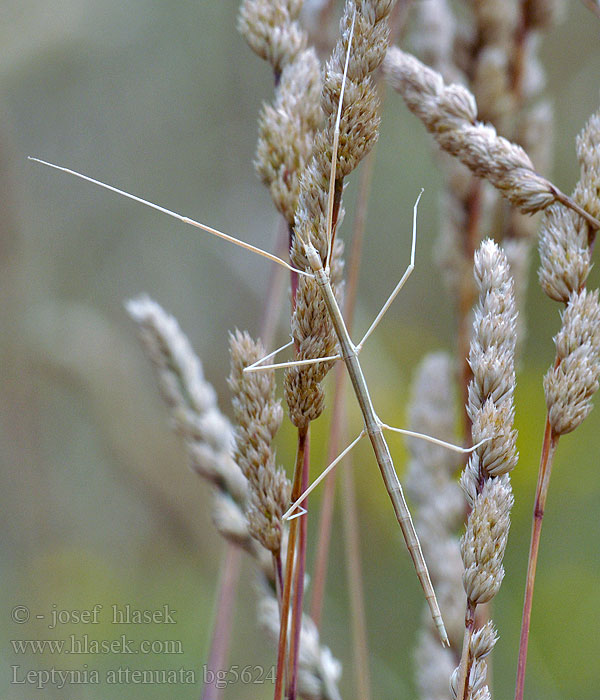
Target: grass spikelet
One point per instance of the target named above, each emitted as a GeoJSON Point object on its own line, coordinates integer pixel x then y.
{"type": "Point", "coordinates": [258, 415]}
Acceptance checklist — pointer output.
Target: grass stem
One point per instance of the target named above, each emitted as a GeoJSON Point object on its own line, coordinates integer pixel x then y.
{"type": "Point", "coordinates": [541, 494]}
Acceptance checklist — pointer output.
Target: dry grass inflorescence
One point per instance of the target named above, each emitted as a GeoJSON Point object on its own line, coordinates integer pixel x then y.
{"type": "Point", "coordinates": [476, 85]}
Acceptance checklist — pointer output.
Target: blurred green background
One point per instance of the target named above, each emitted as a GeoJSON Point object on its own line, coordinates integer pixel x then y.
{"type": "Point", "coordinates": [161, 98]}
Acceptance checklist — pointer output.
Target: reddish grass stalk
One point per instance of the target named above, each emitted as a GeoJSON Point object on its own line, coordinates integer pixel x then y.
{"type": "Point", "coordinates": [541, 494]}
{"type": "Point", "coordinates": [223, 619]}
{"type": "Point", "coordinates": [326, 514]}
{"type": "Point", "coordinates": [289, 566]}
{"type": "Point", "coordinates": [467, 295]}
{"type": "Point", "coordinates": [299, 572]}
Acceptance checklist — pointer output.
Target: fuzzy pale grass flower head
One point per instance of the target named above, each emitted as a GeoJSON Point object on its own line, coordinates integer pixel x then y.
{"type": "Point", "coordinates": [196, 418]}
{"type": "Point", "coordinates": [481, 645]}
{"type": "Point", "coordinates": [587, 190]}
{"type": "Point", "coordinates": [449, 112]}
{"type": "Point", "coordinates": [359, 125]}
{"type": "Point", "coordinates": [484, 542]}
{"type": "Point", "coordinates": [571, 383]}
{"type": "Point", "coordinates": [565, 259]}
{"type": "Point", "coordinates": [491, 392]}
{"type": "Point", "coordinates": [486, 479]}
{"type": "Point", "coordinates": [286, 131]}
{"type": "Point", "coordinates": [318, 670]}
{"type": "Point", "coordinates": [272, 31]}
{"type": "Point", "coordinates": [206, 432]}
{"type": "Point", "coordinates": [314, 335]}
{"type": "Point", "coordinates": [208, 437]}
{"type": "Point", "coordinates": [258, 415]}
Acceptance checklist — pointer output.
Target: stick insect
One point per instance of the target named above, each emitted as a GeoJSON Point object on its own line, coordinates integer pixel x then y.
{"type": "Point", "coordinates": [348, 353]}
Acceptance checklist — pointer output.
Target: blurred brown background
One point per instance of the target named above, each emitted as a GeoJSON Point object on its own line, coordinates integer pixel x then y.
{"type": "Point", "coordinates": [161, 99]}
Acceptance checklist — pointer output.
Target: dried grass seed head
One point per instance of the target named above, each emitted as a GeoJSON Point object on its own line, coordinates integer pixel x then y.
{"type": "Point", "coordinates": [580, 324]}
{"type": "Point", "coordinates": [587, 190]}
{"type": "Point", "coordinates": [481, 644]}
{"type": "Point", "coordinates": [271, 29]}
{"type": "Point", "coordinates": [565, 260]}
{"type": "Point", "coordinates": [484, 542]}
{"type": "Point", "coordinates": [231, 521]}
{"type": "Point", "coordinates": [196, 418]}
{"type": "Point", "coordinates": [179, 372]}
{"type": "Point", "coordinates": [571, 383]}
{"type": "Point", "coordinates": [483, 641]}
{"type": "Point", "coordinates": [315, 337]}
{"type": "Point", "coordinates": [493, 343]}
{"type": "Point", "coordinates": [359, 120]}
{"type": "Point", "coordinates": [491, 391]}
{"type": "Point", "coordinates": [318, 671]}
{"type": "Point", "coordinates": [258, 415]}
{"type": "Point", "coordinates": [287, 129]}
{"type": "Point", "coordinates": [449, 113]}
{"type": "Point", "coordinates": [498, 455]}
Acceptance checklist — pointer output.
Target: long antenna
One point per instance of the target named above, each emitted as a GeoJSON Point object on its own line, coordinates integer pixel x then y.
{"type": "Point", "coordinates": [334, 149]}
{"type": "Point", "coordinates": [175, 215]}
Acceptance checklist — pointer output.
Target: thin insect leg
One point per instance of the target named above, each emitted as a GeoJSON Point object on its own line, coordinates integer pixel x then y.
{"type": "Point", "coordinates": [249, 368]}
{"type": "Point", "coordinates": [334, 149]}
{"type": "Point", "coordinates": [292, 363]}
{"type": "Point", "coordinates": [288, 514]}
{"type": "Point", "coordinates": [175, 215]}
{"type": "Point", "coordinates": [400, 284]}
{"type": "Point", "coordinates": [435, 441]}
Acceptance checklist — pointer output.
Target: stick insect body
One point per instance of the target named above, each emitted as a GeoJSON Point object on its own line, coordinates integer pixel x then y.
{"type": "Point", "coordinates": [373, 426]}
